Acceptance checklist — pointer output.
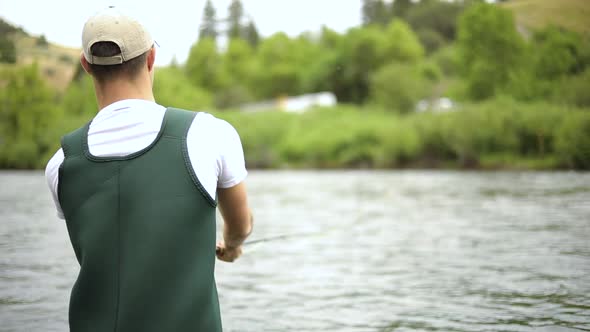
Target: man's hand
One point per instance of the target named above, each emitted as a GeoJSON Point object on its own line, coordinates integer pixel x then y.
{"type": "Point", "coordinates": [227, 254]}
{"type": "Point", "coordinates": [237, 225]}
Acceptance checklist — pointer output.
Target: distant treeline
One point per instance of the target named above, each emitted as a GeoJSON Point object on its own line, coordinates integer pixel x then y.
{"type": "Point", "coordinates": [405, 51]}
{"type": "Point", "coordinates": [496, 134]}
{"type": "Point", "coordinates": [522, 101]}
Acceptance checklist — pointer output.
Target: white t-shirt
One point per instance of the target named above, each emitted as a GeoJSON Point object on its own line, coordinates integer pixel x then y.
{"type": "Point", "coordinates": [131, 125]}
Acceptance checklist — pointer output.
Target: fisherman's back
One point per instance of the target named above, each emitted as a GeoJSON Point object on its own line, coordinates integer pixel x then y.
{"type": "Point", "coordinates": [143, 230]}
{"type": "Point", "coordinates": [138, 187]}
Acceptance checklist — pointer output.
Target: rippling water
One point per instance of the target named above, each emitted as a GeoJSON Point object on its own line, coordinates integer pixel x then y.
{"type": "Point", "coordinates": [376, 251]}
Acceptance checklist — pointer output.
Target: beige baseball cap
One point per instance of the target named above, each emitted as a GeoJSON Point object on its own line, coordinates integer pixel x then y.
{"type": "Point", "coordinates": [110, 25]}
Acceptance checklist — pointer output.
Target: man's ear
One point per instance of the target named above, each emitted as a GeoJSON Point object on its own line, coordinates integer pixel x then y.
{"type": "Point", "coordinates": [85, 64]}
{"type": "Point", "coordinates": [151, 59]}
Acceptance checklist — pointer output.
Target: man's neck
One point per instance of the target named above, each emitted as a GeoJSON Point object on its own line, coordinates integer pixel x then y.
{"type": "Point", "coordinates": [115, 91]}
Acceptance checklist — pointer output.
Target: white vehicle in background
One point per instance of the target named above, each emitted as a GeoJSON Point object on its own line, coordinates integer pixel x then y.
{"type": "Point", "coordinates": [297, 104]}
{"type": "Point", "coordinates": [439, 105]}
{"type": "Point", "coordinates": [302, 103]}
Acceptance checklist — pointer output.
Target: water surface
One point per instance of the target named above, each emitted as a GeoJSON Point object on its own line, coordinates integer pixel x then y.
{"type": "Point", "coordinates": [375, 251]}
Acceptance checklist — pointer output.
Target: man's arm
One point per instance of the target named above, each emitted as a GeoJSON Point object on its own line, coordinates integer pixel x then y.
{"type": "Point", "coordinates": [52, 177]}
{"type": "Point", "coordinates": [237, 221]}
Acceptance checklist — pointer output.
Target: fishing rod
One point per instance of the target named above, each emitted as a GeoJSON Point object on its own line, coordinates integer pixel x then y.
{"type": "Point", "coordinates": [252, 243]}
{"type": "Point", "coordinates": [278, 237]}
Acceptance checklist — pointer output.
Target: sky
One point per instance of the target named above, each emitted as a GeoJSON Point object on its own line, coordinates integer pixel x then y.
{"type": "Point", "coordinates": [174, 24]}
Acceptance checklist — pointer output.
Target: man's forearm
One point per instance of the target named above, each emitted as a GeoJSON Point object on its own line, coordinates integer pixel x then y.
{"type": "Point", "coordinates": [235, 236]}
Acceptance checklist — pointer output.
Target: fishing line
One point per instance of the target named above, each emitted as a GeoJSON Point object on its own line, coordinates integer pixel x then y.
{"type": "Point", "coordinates": [357, 201]}
{"type": "Point", "coordinates": [279, 237]}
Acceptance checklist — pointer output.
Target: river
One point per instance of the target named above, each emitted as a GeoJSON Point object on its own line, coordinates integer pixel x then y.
{"type": "Point", "coordinates": [366, 251]}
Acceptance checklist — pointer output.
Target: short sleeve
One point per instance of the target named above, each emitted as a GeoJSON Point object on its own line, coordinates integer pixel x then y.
{"type": "Point", "coordinates": [215, 152]}
{"type": "Point", "coordinates": [52, 177]}
{"type": "Point", "coordinates": [232, 166]}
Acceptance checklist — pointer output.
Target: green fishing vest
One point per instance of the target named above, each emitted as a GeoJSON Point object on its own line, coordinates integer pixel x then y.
{"type": "Point", "coordinates": [143, 230]}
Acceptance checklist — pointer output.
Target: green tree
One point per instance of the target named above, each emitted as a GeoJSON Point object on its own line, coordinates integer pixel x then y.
{"type": "Point", "coordinates": [382, 13]}
{"type": "Point", "coordinates": [324, 72]}
{"type": "Point", "coordinates": [204, 65]}
{"type": "Point", "coordinates": [7, 50]}
{"type": "Point", "coordinates": [78, 103]}
{"type": "Point", "coordinates": [310, 52]}
{"type": "Point", "coordinates": [555, 59]}
{"type": "Point", "coordinates": [368, 12]}
{"type": "Point", "coordinates": [28, 119]}
{"type": "Point", "coordinates": [402, 44]}
{"type": "Point", "coordinates": [251, 34]}
{"type": "Point", "coordinates": [42, 42]}
{"type": "Point", "coordinates": [573, 141]}
{"type": "Point", "coordinates": [236, 14]}
{"type": "Point", "coordinates": [7, 28]}
{"type": "Point", "coordinates": [279, 73]}
{"type": "Point", "coordinates": [400, 8]}
{"type": "Point", "coordinates": [209, 25]}
{"type": "Point", "coordinates": [361, 55]}
{"type": "Point", "coordinates": [239, 62]}
{"type": "Point", "coordinates": [399, 87]}
{"type": "Point", "coordinates": [330, 39]}
{"type": "Point", "coordinates": [491, 49]}
{"type": "Point", "coordinates": [172, 87]}
{"type": "Point", "coordinates": [277, 49]}
{"type": "Point", "coordinates": [431, 40]}
{"type": "Point", "coordinates": [79, 100]}
{"type": "Point", "coordinates": [374, 12]}
{"type": "Point", "coordinates": [573, 90]}
{"type": "Point", "coordinates": [438, 16]}
{"type": "Point", "coordinates": [558, 53]}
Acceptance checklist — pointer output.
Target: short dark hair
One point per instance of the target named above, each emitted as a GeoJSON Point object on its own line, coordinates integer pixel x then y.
{"type": "Point", "coordinates": [103, 73]}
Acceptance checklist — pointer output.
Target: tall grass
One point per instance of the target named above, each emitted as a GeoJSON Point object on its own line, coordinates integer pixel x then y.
{"type": "Point", "coordinates": [497, 134]}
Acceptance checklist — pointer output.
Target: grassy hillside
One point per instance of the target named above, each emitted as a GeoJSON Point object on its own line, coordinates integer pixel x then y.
{"type": "Point", "coordinates": [570, 14]}
{"type": "Point", "coordinates": [57, 63]}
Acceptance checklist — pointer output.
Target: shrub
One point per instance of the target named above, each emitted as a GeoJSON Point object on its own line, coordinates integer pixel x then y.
{"type": "Point", "coordinates": [573, 90]}
{"type": "Point", "coordinates": [28, 116]}
{"type": "Point", "coordinates": [7, 50]}
{"type": "Point", "coordinates": [232, 96]}
{"type": "Point", "coordinates": [42, 42]}
{"type": "Point", "coordinates": [573, 140]}
{"type": "Point", "coordinates": [447, 60]}
{"type": "Point", "coordinates": [399, 87]}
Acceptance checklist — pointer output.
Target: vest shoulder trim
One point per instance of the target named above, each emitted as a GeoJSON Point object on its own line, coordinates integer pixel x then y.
{"type": "Point", "coordinates": [179, 117]}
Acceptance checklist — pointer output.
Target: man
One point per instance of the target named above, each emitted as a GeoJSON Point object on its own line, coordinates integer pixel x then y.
{"type": "Point", "coordinates": [137, 188]}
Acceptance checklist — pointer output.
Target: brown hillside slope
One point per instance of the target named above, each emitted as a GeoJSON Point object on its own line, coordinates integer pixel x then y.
{"type": "Point", "coordinates": [56, 63]}
{"type": "Point", "coordinates": [569, 14]}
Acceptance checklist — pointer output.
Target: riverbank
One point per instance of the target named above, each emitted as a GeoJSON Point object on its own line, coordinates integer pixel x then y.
{"type": "Point", "coordinates": [500, 134]}
{"type": "Point", "coordinates": [495, 135]}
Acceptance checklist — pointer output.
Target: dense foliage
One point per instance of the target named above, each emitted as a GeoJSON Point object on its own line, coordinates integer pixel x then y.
{"type": "Point", "coordinates": [28, 118]}
{"type": "Point", "coordinates": [501, 133]}
{"type": "Point", "coordinates": [7, 47]}
{"type": "Point", "coordinates": [519, 99]}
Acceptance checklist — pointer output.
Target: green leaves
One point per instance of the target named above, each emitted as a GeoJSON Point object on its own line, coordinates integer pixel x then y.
{"type": "Point", "coordinates": [573, 140]}
{"type": "Point", "coordinates": [27, 113]}
{"type": "Point", "coordinates": [490, 47]}
{"type": "Point", "coordinates": [399, 87]}
{"type": "Point", "coordinates": [172, 88]}
{"type": "Point", "coordinates": [204, 65]}
{"type": "Point", "coordinates": [498, 133]}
